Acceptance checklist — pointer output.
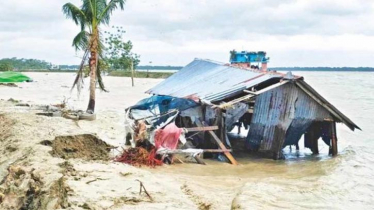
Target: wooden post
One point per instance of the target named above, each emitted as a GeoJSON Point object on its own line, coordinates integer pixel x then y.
{"type": "Point", "coordinates": [221, 125]}
{"type": "Point", "coordinates": [132, 73]}
{"type": "Point", "coordinates": [334, 140]}
{"type": "Point", "coordinates": [221, 145]}
{"type": "Point", "coordinates": [205, 144]}
{"type": "Point", "coordinates": [316, 136]}
{"type": "Point", "coordinates": [315, 149]}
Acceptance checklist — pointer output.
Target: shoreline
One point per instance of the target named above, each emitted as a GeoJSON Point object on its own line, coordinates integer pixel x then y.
{"type": "Point", "coordinates": [96, 184]}
{"type": "Point", "coordinates": [137, 74]}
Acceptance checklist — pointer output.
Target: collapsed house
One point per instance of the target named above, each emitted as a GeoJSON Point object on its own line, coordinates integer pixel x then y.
{"type": "Point", "coordinates": [209, 98]}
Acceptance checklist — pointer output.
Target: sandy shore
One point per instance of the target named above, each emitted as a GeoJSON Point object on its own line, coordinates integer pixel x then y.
{"type": "Point", "coordinates": [35, 179]}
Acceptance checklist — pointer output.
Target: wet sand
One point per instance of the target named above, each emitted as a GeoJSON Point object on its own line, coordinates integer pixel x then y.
{"type": "Point", "coordinates": [302, 181]}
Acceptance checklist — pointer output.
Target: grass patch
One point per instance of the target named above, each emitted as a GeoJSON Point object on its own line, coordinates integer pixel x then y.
{"type": "Point", "coordinates": [141, 74]}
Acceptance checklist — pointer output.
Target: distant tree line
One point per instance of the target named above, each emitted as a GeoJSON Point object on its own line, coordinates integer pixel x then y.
{"type": "Point", "coordinates": [75, 67]}
{"type": "Point", "coordinates": [160, 67]}
{"type": "Point", "coordinates": [10, 64]}
{"type": "Point", "coordinates": [322, 68]}
{"type": "Point", "coordinates": [68, 67]}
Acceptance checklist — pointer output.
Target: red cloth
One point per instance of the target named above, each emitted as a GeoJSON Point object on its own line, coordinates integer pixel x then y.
{"type": "Point", "coordinates": [168, 137]}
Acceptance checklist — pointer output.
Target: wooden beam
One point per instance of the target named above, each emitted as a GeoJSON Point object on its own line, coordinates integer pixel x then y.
{"type": "Point", "coordinates": [192, 151]}
{"type": "Point", "coordinates": [221, 145]}
{"type": "Point", "coordinates": [251, 95]}
{"type": "Point", "coordinates": [250, 92]}
{"type": "Point", "coordinates": [272, 87]}
{"type": "Point", "coordinates": [235, 101]}
{"type": "Point", "coordinates": [198, 129]}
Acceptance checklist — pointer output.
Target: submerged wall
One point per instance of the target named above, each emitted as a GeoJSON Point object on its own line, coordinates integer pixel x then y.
{"type": "Point", "coordinates": [281, 116]}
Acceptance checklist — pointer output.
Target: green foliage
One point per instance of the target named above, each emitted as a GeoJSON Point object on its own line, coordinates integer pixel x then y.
{"type": "Point", "coordinates": [5, 66]}
{"type": "Point", "coordinates": [118, 52]}
{"type": "Point", "coordinates": [160, 67]}
{"type": "Point", "coordinates": [141, 74]}
{"type": "Point", "coordinates": [89, 17]}
{"type": "Point", "coordinates": [9, 64]}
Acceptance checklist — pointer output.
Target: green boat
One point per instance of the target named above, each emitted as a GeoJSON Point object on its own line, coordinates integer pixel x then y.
{"type": "Point", "coordinates": [13, 77]}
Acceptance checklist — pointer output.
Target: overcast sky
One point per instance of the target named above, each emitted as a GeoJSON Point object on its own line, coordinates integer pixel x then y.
{"type": "Point", "coordinates": [174, 32]}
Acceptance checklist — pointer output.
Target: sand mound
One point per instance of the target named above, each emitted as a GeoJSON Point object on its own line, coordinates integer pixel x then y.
{"type": "Point", "coordinates": [86, 146]}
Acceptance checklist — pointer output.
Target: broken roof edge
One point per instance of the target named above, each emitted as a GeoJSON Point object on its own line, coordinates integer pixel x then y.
{"type": "Point", "coordinates": [327, 105]}
{"type": "Point", "coordinates": [272, 73]}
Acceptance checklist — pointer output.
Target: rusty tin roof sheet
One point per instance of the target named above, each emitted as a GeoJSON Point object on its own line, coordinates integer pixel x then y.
{"type": "Point", "coordinates": [211, 81]}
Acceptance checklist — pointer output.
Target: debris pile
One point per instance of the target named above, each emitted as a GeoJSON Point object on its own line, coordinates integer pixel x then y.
{"type": "Point", "coordinates": [208, 99]}
{"type": "Point", "coordinates": [139, 157]}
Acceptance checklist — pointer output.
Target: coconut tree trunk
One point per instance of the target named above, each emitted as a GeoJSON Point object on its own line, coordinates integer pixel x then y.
{"type": "Point", "coordinates": [93, 67]}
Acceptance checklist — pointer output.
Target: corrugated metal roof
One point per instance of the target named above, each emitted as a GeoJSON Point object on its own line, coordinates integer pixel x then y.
{"type": "Point", "coordinates": [210, 81]}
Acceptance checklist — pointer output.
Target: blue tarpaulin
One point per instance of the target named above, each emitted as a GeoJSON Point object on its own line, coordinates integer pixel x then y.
{"type": "Point", "coordinates": [158, 105]}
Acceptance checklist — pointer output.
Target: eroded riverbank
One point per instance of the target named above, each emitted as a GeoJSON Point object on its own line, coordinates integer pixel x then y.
{"type": "Point", "coordinates": [302, 181]}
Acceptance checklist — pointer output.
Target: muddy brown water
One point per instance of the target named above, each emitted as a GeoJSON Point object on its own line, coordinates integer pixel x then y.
{"type": "Point", "coordinates": [302, 181]}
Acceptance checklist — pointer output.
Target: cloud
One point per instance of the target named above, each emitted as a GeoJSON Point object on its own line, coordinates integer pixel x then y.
{"type": "Point", "coordinates": [294, 32]}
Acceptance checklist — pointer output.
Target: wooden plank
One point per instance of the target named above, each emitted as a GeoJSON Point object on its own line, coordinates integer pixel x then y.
{"type": "Point", "coordinates": [250, 92]}
{"type": "Point", "coordinates": [235, 101]}
{"type": "Point", "coordinates": [251, 95]}
{"type": "Point", "coordinates": [272, 87]}
{"type": "Point", "coordinates": [220, 144]}
{"type": "Point", "coordinates": [192, 151]}
{"type": "Point", "coordinates": [198, 129]}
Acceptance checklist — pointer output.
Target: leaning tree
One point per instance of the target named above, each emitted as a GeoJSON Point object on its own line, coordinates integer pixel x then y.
{"type": "Point", "coordinates": [90, 16]}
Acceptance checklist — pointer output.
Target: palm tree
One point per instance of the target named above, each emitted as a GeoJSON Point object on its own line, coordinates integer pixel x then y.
{"type": "Point", "coordinates": [89, 17]}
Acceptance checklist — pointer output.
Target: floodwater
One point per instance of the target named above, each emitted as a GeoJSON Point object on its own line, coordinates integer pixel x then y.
{"type": "Point", "coordinates": [303, 181]}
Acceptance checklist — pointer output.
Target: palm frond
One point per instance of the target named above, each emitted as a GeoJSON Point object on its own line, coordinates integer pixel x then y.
{"type": "Point", "coordinates": [80, 42]}
{"type": "Point", "coordinates": [100, 6]}
{"type": "Point", "coordinates": [104, 17]}
{"type": "Point", "coordinates": [73, 12]}
{"type": "Point", "coordinates": [78, 82]}
{"type": "Point", "coordinates": [101, 46]}
{"type": "Point", "coordinates": [89, 10]}
{"type": "Point", "coordinates": [99, 78]}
